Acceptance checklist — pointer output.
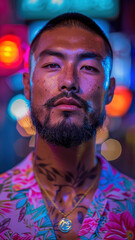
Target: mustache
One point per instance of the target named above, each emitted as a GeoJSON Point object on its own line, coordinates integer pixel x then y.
{"type": "Point", "coordinates": [50, 102]}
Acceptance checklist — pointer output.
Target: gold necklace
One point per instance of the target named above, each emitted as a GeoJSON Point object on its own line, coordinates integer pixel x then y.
{"type": "Point", "coordinates": [65, 224]}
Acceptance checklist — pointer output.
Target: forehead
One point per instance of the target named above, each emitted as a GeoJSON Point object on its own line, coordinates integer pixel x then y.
{"type": "Point", "coordinates": [70, 38]}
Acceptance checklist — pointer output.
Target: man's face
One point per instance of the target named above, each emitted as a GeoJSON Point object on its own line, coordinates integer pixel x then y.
{"type": "Point", "coordinates": [70, 82]}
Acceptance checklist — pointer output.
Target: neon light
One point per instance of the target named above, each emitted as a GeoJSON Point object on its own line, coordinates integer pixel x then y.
{"type": "Point", "coordinates": [11, 55]}
{"type": "Point", "coordinates": [121, 102]}
{"type": "Point", "coordinates": [26, 59]}
{"type": "Point", "coordinates": [15, 82]}
{"type": "Point", "coordinates": [47, 9]}
{"type": "Point", "coordinates": [18, 107]}
{"type": "Point", "coordinates": [57, 1]}
{"type": "Point", "coordinates": [34, 28]}
{"type": "Point", "coordinates": [122, 59]}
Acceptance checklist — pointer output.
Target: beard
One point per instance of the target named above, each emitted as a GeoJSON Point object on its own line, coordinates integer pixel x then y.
{"type": "Point", "coordinates": [65, 133]}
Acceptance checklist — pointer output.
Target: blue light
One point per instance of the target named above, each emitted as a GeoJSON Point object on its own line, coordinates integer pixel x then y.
{"type": "Point", "coordinates": [104, 25]}
{"type": "Point", "coordinates": [34, 28]}
{"type": "Point", "coordinates": [47, 9]}
{"type": "Point", "coordinates": [132, 86]}
{"type": "Point", "coordinates": [15, 82]}
{"type": "Point", "coordinates": [18, 107]}
{"type": "Point", "coordinates": [59, 2]}
{"type": "Point", "coordinates": [122, 59]}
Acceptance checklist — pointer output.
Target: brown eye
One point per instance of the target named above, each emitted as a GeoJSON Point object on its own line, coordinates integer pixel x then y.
{"type": "Point", "coordinates": [89, 68]}
{"type": "Point", "coordinates": [51, 66]}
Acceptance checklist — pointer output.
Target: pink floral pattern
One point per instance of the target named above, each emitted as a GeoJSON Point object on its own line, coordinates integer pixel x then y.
{"type": "Point", "coordinates": [15, 236]}
{"type": "Point", "coordinates": [34, 195]}
{"type": "Point", "coordinates": [23, 214]}
{"type": "Point", "coordinates": [89, 225]}
{"type": "Point", "coordinates": [120, 226]}
{"type": "Point", "coordinates": [25, 236]}
{"type": "Point", "coordinates": [24, 177]}
{"type": "Point", "coordinates": [117, 194]}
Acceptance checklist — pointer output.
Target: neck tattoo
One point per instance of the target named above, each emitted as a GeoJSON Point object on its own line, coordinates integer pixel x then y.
{"type": "Point", "coordinates": [65, 224]}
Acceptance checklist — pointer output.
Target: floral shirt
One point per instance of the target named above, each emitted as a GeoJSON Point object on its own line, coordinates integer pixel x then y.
{"type": "Point", "coordinates": [23, 214]}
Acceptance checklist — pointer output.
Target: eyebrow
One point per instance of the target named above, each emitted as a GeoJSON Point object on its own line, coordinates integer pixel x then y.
{"type": "Point", "coordinates": [80, 56]}
{"type": "Point", "coordinates": [86, 55]}
{"type": "Point", "coordinates": [49, 52]}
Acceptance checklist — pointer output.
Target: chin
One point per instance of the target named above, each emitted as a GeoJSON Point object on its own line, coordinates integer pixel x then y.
{"type": "Point", "coordinates": [68, 132]}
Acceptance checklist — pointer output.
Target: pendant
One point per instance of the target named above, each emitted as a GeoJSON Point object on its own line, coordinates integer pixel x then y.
{"type": "Point", "coordinates": [65, 225]}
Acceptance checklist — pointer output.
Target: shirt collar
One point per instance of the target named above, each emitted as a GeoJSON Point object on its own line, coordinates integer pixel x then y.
{"type": "Point", "coordinates": [110, 183]}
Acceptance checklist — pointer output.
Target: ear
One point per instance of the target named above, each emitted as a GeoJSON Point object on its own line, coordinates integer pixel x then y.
{"type": "Point", "coordinates": [110, 91]}
{"type": "Point", "coordinates": [26, 83]}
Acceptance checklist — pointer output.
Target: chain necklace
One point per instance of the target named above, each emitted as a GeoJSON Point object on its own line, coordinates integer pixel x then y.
{"type": "Point", "coordinates": [65, 224]}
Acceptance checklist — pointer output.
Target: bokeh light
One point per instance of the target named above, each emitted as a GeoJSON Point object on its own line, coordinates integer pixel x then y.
{"type": "Point", "coordinates": [34, 28]}
{"type": "Point", "coordinates": [57, 1]}
{"type": "Point", "coordinates": [18, 107]}
{"type": "Point", "coordinates": [15, 81]}
{"type": "Point", "coordinates": [102, 135]}
{"type": "Point", "coordinates": [32, 141]}
{"type": "Point", "coordinates": [21, 147]}
{"type": "Point", "coordinates": [111, 149]}
{"type": "Point", "coordinates": [26, 124]}
{"type": "Point", "coordinates": [26, 58]}
{"type": "Point", "coordinates": [11, 55]}
{"type": "Point", "coordinates": [121, 70]}
{"type": "Point", "coordinates": [120, 103]}
{"type": "Point", "coordinates": [130, 135]}
{"type": "Point", "coordinates": [46, 9]}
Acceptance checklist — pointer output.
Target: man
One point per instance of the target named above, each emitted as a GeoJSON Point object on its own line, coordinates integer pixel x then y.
{"type": "Point", "coordinates": [63, 190]}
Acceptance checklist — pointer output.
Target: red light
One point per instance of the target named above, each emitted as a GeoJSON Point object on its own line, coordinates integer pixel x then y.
{"type": "Point", "coordinates": [121, 102]}
{"type": "Point", "coordinates": [26, 59]}
{"type": "Point", "coordinates": [11, 55]}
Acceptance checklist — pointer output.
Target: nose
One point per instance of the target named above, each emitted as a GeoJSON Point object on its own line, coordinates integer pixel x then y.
{"type": "Point", "coordinates": [69, 81]}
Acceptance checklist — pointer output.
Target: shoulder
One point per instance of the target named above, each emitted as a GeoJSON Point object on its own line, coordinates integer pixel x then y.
{"type": "Point", "coordinates": [12, 176]}
{"type": "Point", "coordinates": [15, 206]}
{"type": "Point", "coordinates": [12, 183]}
{"type": "Point", "coordinates": [114, 182]}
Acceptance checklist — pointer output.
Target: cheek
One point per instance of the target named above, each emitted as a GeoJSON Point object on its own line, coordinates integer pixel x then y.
{"type": "Point", "coordinates": [98, 95]}
{"type": "Point", "coordinates": [92, 83]}
{"type": "Point", "coordinates": [42, 88]}
{"type": "Point", "coordinates": [38, 93]}
{"type": "Point", "coordinates": [95, 96]}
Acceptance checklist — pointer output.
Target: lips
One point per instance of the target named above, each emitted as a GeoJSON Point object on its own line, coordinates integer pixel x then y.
{"type": "Point", "coordinates": [67, 101]}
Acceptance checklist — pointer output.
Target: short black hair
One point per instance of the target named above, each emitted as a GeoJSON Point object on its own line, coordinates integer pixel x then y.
{"type": "Point", "coordinates": [69, 20]}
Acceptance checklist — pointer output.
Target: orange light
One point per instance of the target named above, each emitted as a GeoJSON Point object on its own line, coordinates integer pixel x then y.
{"type": "Point", "coordinates": [121, 102]}
{"type": "Point", "coordinates": [111, 149]}
{"type": "Point", "coordinates": [11, 55]}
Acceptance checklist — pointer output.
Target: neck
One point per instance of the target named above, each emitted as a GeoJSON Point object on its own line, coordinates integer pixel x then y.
{"type": "Point", "coordinates": [56, 161]}
{"type": "Point", "coordinates": [66, 159]}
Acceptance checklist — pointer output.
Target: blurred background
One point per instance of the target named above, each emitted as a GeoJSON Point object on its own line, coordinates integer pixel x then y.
{"type": "Point", "coordinates": [19, 22]}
